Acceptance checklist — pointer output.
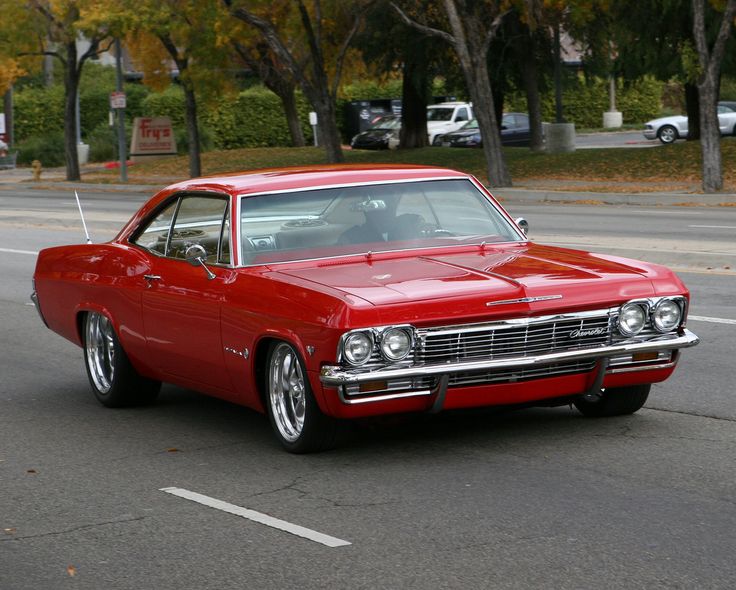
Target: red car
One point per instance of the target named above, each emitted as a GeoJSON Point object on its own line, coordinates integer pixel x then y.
{"type": "Point", "coordinates": [325, 293]}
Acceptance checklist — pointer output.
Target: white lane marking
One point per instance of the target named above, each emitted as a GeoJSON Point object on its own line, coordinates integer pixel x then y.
{"type": "Point", "coordinates": [715, 226]}
{"type": "Point", "coordinates": [259, 517]}
{"type": "Point", "coordinates": [11, 251]}
{"type": "Point", "coordinates": [702, 318]}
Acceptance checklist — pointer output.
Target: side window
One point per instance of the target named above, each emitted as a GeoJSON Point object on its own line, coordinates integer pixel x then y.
{"type": "Point", "coordinates": [199, 221]}
{"type": "Point", "coordinates": [462, 114]}
{"type": "Point", "coordinates": [155, 236]}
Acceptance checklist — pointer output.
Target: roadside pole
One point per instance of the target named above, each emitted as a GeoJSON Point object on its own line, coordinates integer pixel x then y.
{"type": "Point", "coordinates": [119, 108]}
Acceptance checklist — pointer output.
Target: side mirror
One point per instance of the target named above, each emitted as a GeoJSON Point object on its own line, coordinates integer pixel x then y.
{"type": "Point", "coordinates": [523, 225]}
{"type": "Point", "coordinates": [196, 255]}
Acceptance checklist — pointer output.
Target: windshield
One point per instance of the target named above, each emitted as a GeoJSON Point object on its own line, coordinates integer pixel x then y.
{"type": "Point", "coordinates": [440, 113]}
{"type": "Point", "coordinates": [342, 221]}
{"type": "Point", "coordinates": [472, 124]}
{"type": "Point", "coordinates": [387, 123]}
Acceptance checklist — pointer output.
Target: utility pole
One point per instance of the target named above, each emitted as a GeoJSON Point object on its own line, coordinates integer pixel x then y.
{"type": "Point", "coordinates": [120, 114]}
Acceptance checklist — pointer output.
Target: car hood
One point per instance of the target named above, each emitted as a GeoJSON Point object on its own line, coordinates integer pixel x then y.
{"type": "Point", "coordinates": [673, 120]}
{"type": "Point", "coordinates": [561, 278]}
{"type": "Point", "coordinates": [463, 133]}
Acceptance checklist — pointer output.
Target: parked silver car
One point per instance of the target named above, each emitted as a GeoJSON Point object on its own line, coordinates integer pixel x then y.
{"type": "Point", "coordinates": [669, 129]}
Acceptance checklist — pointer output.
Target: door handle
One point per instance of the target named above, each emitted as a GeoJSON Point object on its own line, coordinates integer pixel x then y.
{"type": "Point", "coordinates": [150, 279]}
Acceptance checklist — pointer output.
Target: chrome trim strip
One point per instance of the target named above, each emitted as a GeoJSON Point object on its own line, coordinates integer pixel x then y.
{"type": "Point", "coordinates": [381, 398]}
{"type": "Point", "coordinates": [642, 368]}
{"type": "Point", "coordinates": [333, 376]}
{"type": "Point", "coordinates": [523, 300]}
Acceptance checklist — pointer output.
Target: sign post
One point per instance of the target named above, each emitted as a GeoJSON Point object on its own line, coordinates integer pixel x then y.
{"type": "Point", "coordinates": [117, 104]}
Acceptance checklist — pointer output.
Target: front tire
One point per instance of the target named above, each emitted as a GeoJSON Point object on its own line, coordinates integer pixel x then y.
{"type": "Point", "coordinates": [114, 381]}
{"type": "Point", "coordinates": [617, 401]}
{"type": "Point", "coordinates": [667, 134]}
{"type": "Point", "coordinates": [297, 421]}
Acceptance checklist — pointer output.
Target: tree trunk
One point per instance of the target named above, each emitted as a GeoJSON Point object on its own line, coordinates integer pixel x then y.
{"type": "Point", "coordinates": [328, 135]}
{"type": "Point", "coordinates": [525, 47]}
{"type": "Point", "coordinates": [288, 100]}
{"type": "Point", "coordinates": [413, 133]}
{"type": "Point", "coordinates": [71, 88]}
{"type": "Point", "coordinates": [710, 61]}
{"type": "Point", "coordinates": [710, 135]}
{"type": "Point", "coordinates": [190, 103]}
{"type": "Point", "coordinates": [692, 107]}
{"type": "Point", "coordinates": [469, 37]}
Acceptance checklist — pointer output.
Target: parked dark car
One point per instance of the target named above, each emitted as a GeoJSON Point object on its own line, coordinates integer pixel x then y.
{"type": "Point", "coordinates": [514, 132]}
{"type": "Point", "coordinates": [382, 135]}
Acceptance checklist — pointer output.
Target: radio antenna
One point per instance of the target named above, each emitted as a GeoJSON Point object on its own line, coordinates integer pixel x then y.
{"type": "Point", "coordinates": [81, 214]}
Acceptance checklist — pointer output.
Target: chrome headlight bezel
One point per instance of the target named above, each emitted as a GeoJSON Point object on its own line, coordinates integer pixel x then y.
{"type": "Point", "coordinates": [632, 306]}
{"type": "Point", "coordinates": [656, 311]}
{"type": "Point", "coordinates": [350, 357]}
{"type": "Point", "coordinates": [385, 346]}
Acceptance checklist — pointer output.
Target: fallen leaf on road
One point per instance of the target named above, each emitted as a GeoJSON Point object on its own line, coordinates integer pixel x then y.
{"type": "Point", "coordinates": [172, 450]}
{"type": "Point", "coordinates": [10, 531]}
{"type": "Point", "coordinates": [31, 471]}
{"type": "Point", "coordinates": [71, 570]}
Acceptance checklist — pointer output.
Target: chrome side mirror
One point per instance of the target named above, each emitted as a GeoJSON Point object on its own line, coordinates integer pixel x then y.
{"type": "Point", "coordinates": [523, 225]}
{"type": "Point", "coordinates": [196, 255]}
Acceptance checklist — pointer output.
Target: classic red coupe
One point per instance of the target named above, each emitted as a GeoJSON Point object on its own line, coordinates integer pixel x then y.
{"type": "Point", "coordinates": [325, 293]}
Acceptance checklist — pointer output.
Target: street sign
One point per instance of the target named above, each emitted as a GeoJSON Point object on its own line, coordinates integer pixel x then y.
{"type": "Point", "coordinates": [117, 100]}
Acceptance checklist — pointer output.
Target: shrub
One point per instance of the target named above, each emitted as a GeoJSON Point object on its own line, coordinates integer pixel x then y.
{"type": "Point", "coordinates": [254, 118]}
{"type": "Point", "coordinates": [169, 103]}
{"type": "Point", "coordinates": [48, 148]}
{"type": "Point", "coordinates": [38, 111]}
{"type": "Point", "coordinates": [584, 102]}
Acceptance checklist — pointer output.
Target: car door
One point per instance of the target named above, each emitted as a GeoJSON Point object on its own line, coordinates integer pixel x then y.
{"type": "Point", "coordinates": [181, 304]}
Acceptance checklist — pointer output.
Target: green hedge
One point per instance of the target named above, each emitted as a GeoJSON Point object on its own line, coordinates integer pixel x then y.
{"type": "Point", "coordinates": [254, 118]}
{"type": "Point", "coordinates": [584, 102]}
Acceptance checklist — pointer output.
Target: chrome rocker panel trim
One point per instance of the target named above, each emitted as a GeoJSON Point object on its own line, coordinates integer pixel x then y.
{"type": "Point", "coordinates": [335, 376]}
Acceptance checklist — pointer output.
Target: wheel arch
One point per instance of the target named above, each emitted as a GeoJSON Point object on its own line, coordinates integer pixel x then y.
{"type": "Point", "coordinates": [261, 349]}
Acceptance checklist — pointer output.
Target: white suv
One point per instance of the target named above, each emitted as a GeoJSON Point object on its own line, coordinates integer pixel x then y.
{"type": "Point", "coordinates": [446, 117]}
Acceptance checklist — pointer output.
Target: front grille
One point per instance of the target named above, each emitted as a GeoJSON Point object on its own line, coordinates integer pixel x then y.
{"type": "Point", "coordinates": [514, 338]}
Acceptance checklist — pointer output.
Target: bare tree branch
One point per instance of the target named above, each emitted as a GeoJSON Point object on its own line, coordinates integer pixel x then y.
{"type": "Point", "coordinates": [423, 28]}
{"type": "Point", "coordinates": [491, 33]}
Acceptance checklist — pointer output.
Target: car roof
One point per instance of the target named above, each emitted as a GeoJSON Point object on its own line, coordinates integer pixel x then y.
{"type": "Point", "coordinates": [305, 177]}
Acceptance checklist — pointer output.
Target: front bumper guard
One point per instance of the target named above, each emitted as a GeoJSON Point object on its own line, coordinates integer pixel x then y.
{"type": "Point", "coordinates": [335, 376]}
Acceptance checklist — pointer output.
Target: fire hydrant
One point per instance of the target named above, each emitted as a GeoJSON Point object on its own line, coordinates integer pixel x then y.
{"type": "Point", "coordinates": [36, 167]}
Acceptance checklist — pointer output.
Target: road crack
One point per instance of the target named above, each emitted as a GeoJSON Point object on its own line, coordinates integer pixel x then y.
{"type": "Point", "coordinates": [72, 530]}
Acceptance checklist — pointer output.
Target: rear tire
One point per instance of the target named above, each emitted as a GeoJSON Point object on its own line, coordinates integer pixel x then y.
{"type": "Point", "coordinates": [114, 381]}
{"type": "Point", "coordinates": [295, 417]}
{"type": "Point", "coordinates": [616, 401]}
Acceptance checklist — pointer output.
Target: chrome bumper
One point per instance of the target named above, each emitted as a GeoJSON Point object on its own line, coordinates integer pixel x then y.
{"type": "Point", "coordinates": [34, 298]}
{"type": "Point", "coordinates": [335, 376]}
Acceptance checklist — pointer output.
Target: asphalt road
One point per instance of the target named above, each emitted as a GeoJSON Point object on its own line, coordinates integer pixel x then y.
{"type": "Point", "coordinates": [540, 498]}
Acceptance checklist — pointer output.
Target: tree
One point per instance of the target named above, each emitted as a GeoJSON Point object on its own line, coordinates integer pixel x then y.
{"type": "Point", "coordinates": [473, 24]}
{"type": "Point", "coordinates": [256, 54]}
{"type": "Point", "coordinates": [54, 28]}
{"type": "Point", "coordinates": [194, 37]}
{"type": "Point", "coordinates": [328, 35]}
{"type": "Point", "coordinates": [710, 58]}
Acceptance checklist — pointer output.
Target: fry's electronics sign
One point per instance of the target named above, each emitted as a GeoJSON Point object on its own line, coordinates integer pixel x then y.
{"type": "Point", "coordinates": [152, 136]}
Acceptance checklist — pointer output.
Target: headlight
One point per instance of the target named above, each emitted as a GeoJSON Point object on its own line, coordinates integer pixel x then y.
{"type": "Point", "coordinates": [395, 344]}
{"type": "Point", "coordinates": [631, 319]}
{"type": "Point", "coordinates": [666, 315]}
{"type": "Point", "coordinates": [357, 348]}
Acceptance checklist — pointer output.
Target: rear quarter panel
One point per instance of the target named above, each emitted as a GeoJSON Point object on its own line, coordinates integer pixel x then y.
{"type": "Point", "coordinates": [94, 277]}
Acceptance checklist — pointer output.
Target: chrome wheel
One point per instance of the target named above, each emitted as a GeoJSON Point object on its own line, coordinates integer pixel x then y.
{"type": "Point", "coordinates": [667, 134]}
{"type": "Point", "coordinates": [100, 348]}
{"type": "Point", "coordinates": [287, 392]}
